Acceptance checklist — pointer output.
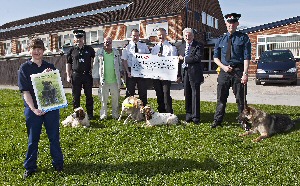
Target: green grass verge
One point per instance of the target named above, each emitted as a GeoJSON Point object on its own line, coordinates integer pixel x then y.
{"type": "Point", "coordinates": [110, 153]}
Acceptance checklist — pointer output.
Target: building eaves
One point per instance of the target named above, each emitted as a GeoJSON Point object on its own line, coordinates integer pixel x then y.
{"type": "Point", "coordinates": [271, 25]}
{"type": "Point", "coordinates": [138, 9]}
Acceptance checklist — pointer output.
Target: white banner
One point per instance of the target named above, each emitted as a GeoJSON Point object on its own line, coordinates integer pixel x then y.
{"type": "Point", "coordinates": [151, 29]}
{"type": "Point", "coordinates": [155, 67]}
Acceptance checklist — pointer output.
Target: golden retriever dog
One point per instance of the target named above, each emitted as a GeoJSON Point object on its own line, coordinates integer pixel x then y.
{"type": "Point", "coordinates": [156, 118]}
{"type": "Point", "coordinates": [77, 119]}
{"type": "Point", "coordinates": [265, 124]}
{"type": "Point", "coordinates": [131, 105]}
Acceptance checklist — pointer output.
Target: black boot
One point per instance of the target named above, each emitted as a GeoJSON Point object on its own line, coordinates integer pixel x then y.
{"type": "Point", "coordinates": [216, 124]}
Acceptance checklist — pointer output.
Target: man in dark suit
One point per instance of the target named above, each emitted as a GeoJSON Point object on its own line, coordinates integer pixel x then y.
{"type": "Point", "coordinates": [191, 54]}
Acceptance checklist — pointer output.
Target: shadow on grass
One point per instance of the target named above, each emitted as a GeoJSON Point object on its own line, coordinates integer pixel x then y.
{"type": "Point", "coordinates": [144, 168]}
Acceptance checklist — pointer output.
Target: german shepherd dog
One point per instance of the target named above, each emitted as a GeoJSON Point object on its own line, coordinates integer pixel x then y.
{"type": "Point", "coordinates": [266, 124]}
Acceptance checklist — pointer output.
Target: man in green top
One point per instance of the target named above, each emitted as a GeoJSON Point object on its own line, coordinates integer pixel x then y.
{"type": "Point", "coordinates": [107, 68]}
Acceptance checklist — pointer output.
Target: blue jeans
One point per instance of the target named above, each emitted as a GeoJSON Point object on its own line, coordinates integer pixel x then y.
{"type": "Point", "coordinates": [34, 127]}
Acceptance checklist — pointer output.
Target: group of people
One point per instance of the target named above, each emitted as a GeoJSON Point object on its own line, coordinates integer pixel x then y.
{"type": "Point", "coordinates": [232, 54]}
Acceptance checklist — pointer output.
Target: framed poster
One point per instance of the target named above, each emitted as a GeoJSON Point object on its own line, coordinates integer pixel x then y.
{"type": "Point", "coordinates": [49, 91]}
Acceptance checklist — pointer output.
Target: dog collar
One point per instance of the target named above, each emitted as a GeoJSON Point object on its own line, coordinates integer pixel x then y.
{"type": "Point", "coordinates": [128, 105]}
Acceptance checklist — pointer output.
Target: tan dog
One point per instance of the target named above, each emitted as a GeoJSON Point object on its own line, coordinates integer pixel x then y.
{"type": "Point", "coordinates": [77, 119]}
{"type": "Point", "coordinates": [156, 118]}
{"type": "Point", "coordinates": [266, 124]}
{"type": "Point", "coordinates": [131, 105]}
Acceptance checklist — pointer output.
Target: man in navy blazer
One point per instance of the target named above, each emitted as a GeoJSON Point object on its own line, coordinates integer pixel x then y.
{"type": "Point", "coordinates": [191, 53]}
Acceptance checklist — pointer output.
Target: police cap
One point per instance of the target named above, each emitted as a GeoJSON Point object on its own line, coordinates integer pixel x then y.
{"type": "Point", "coordinates": [78, 33]}
{"type": "Point", "coordinates": [232, 17]}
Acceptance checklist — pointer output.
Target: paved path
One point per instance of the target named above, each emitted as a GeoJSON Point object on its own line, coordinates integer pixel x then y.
{"type": "Point", "coordinates": [272, 94]}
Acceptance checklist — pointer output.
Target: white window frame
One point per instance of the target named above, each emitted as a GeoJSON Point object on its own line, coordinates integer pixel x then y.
{"type": "Point", "coordinates": [63, 41]}
{"type": "Point", "coordinates": [128, 31]}
{"type": "Point", "coordinates": [216, 23]}
{"type": "Point", "coordinates": [24, 47]}
{"type": "Point", "coordinates": [98, 38]}
{"type": "Point", "coordinates": [6, 49]}
{"type": "Point", "coordinates": [204, 19]}
{"type": "Point", "coordinates": [46, 40]}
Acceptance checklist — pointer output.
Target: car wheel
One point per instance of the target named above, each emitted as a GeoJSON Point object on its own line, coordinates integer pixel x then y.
{"type": "Point", "coordinates": [257, 82]}
{"type": "Point", "coordinates": [294, 82]}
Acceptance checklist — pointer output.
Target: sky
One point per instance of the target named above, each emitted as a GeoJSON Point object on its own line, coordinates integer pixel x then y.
{"type": "Point", "coordinates": [254, 12]}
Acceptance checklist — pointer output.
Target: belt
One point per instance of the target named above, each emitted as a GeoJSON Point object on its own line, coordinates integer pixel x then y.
{"type": "Point", "coordinates": [237, 65]}
{"type": "Point", "coordinates": [80, 72]}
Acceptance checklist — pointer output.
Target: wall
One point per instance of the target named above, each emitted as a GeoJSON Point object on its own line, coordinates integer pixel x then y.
{"type": "Point", "coordinates": [9, 69]}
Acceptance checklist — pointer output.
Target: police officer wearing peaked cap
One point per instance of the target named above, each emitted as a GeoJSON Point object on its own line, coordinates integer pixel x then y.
{"type": "Point", "coordinates": [232, 53]}
{"type": "Point", "coordinates": [78, 69]}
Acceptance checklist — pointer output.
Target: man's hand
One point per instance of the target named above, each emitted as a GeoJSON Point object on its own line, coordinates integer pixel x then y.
{"type": "Point", "coordinates": [244, 79]}
{"type": "Point", "coordinates": [38, 112]}
{"type": "Point", "coordinates": [180, 57]}
{"type": "Point", "coordinates": [129, 74]}
{"type": "Point", "coordinates": [227, 68]}
{"type": "Point", "coordinates": [47, 70]}
{"type": "Point", "coordinates": [69, 79]}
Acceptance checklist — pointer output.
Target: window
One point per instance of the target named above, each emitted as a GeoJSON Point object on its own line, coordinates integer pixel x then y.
{"type": "Point", "coordinates": [24, 45]}
{"type": "Point", "coordinates": [210, 20]}
{"type": "Point", "coordinates": [260, 49]}
{"type": "Point", "coordinates": [7, 48]}
{"type": "Point", "coordinates": [67, 40]}
{"type": "Point", "coordinates": [94, 37]}
{"type": "Point", "coordinates": [204, 18]}
{"type": "Point", "coordinates": [130, 28]}
{"type": "Point", "coordinates": [216, 24]}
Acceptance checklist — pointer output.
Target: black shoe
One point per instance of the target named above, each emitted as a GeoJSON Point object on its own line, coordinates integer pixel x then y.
{"type": "Point", "coordinates": [216, 124]}
{"type": "Point", "coordinates": [196, 121]}
{"type": "Point", "coordinates": [91, 117]}
{"type": "Point", "coordinates": [28, 173]}
{"type": "Point", "coordinates": [59, 168]}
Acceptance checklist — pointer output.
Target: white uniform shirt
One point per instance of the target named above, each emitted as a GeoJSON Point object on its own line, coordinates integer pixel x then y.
{"type": "Point", "coordinates": [168, 49]}
{"type": "Point", "coordinates": [129, 51]}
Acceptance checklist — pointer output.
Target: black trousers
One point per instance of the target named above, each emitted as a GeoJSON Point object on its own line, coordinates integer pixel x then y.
{"type": "Point", "coordinates": [141, 85]}
{"type": "Point", "coordinates": [164, 99]}
{"type": "Point", "coordinates": [225, 81]}
{"type": "Point", "coordinates": [84, 81]}
{"type": "Point", "coordinates": [192, 98]}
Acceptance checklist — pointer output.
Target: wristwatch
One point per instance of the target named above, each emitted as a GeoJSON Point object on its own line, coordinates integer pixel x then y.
{"type": "Point", "coordinates": [245, 73]}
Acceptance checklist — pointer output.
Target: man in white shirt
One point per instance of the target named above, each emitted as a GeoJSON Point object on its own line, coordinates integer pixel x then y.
{"type": "Point", "coordinates": [162, 87]}
{"type": "Point", "coordinates": [134, 46]}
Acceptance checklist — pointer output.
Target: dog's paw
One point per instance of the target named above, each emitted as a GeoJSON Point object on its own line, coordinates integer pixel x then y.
{"type": "Point", "coordinates": [256, 140]}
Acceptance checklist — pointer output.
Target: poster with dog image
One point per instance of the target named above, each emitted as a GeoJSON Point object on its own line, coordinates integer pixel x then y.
{"type": "Point", "coordinates": [49, 91]}
{"type": "Point", "coordinates": [155, 67]}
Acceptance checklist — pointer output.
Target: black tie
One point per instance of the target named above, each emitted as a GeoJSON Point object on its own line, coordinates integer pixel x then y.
{"type": "Point", "coordinates": [136, 50]}
{"type": "Point", "coordinates": [228, 52]}
{"type": "Point", "coordinates": [161, 48]}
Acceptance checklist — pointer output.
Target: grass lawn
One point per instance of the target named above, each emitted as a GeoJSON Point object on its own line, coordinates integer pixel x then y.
{"type": "Point", "coordinates": [110, 153]}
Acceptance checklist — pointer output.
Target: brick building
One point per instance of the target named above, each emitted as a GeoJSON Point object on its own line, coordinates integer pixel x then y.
{"type": "Point", "coordinates": [116, 19]}
{"type": "Point", "coordinates": [284, 34]}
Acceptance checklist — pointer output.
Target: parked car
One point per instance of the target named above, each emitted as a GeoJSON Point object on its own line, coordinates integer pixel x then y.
{"type": "Point", "coordinates": [276, 66]}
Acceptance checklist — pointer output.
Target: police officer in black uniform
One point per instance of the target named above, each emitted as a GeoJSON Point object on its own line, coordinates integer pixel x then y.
{"type": "Point", "coordinates": [79, 67]}
{"type": "Point", "coordinates": [232, 53]}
